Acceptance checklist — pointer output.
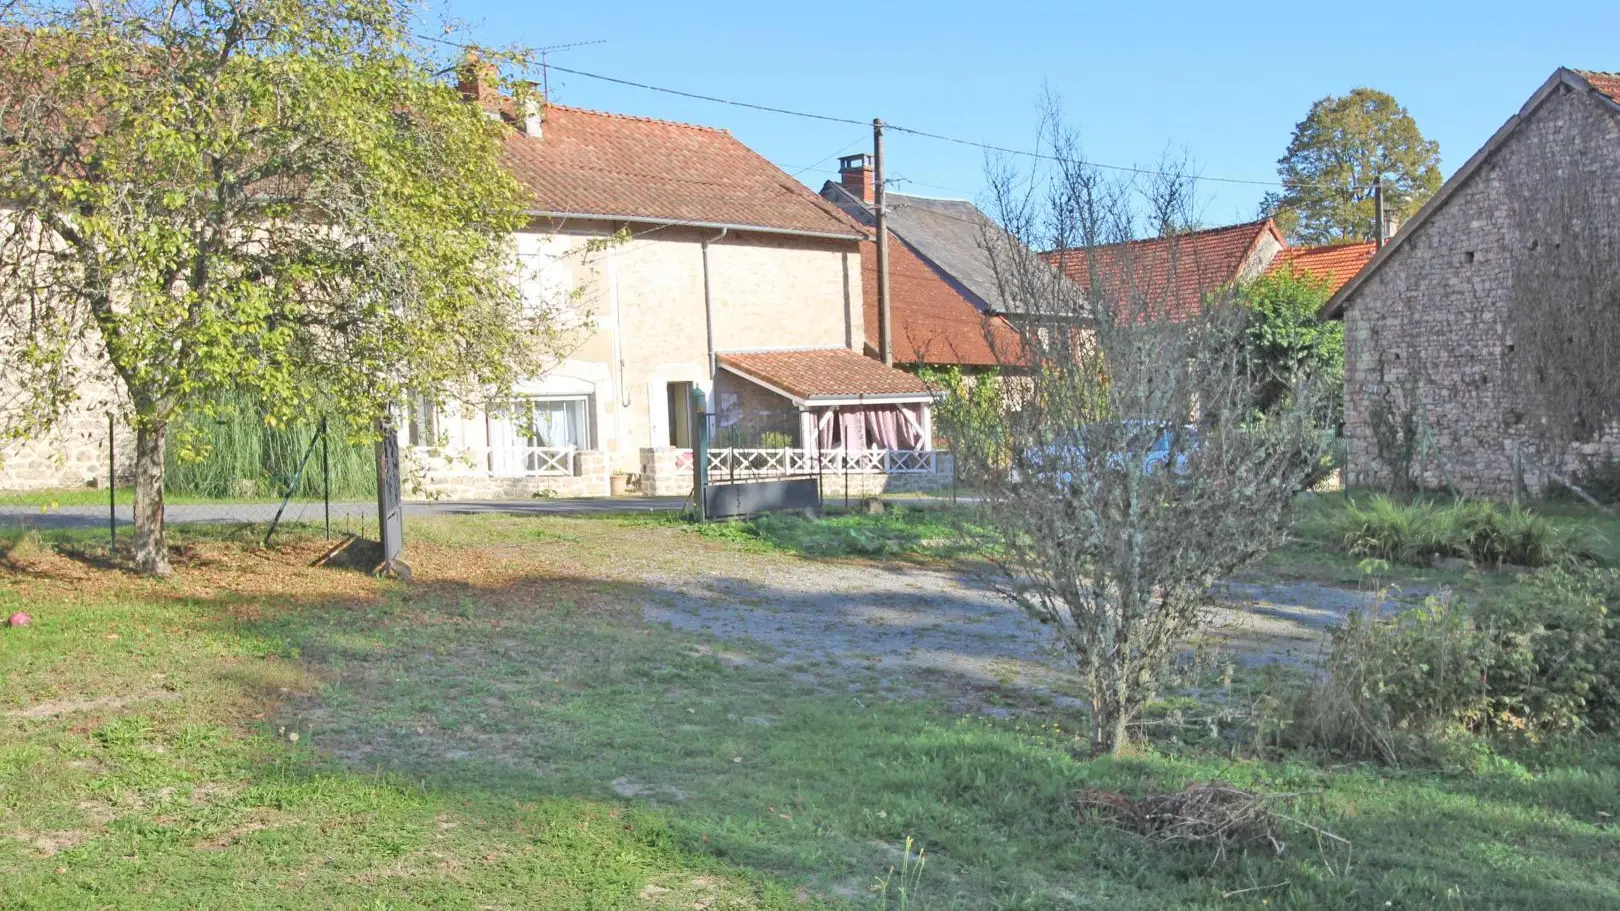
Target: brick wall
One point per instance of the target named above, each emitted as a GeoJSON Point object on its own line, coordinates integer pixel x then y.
{"type": "Point", "coordinates": [1426, 336]}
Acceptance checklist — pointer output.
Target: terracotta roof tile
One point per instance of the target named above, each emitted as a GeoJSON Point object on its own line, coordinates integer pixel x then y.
{"type": "Point", "coordinates": [1338, 263]}
{"type": "Point", "coordinates": [1607, 83]}
{"type": "Point", "coordinates": [933, 322]}
{"type": "Point", "coordinates": [591, 163]}
{"type": "Point", "coordinates": [1169, 273]}
{"type": "Point", "coordinates": [823, 372]}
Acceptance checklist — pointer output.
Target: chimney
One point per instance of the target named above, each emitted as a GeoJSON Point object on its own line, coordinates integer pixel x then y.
{"type": "Point", "coordinates": [1393, 225]}
{"type": "Point", "coordinates": [534, 115]}
{"type": "Point", "coordinates": [476, 80]}
{"type": "Point", "coordinates": [855, 173]}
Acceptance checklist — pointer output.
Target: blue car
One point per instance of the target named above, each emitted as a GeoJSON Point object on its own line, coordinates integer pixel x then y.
{"type": "Point", "coordinates": [1053, 460]}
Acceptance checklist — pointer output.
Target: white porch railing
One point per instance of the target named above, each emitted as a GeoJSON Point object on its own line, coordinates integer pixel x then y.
{"type": "Point", "coordinates": [761, 462]}
{"type": "Point", "coordinates": [500, 461]}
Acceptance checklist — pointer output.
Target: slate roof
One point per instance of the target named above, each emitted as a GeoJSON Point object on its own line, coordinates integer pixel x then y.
{"type": "Point", "coordinates": [1338, 263]}
{"type": "Point", "coordinates": [823, 373]}
{"type": "Point", "coordinates": [636, 169]}
{"type": "Point", "coordinates": [949, 233]}
{"type": "Point", "coordinates": [941, 317]}
{"type": "Point", "coordinates": [1171, 275]}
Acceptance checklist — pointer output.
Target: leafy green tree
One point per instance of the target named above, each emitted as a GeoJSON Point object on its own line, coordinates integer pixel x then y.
{"type": "Point", "coordinates": [1286, 341]}
{"type": "Point", "coordinates": [285, 198]}
{"type": "Point", "coordinates": [1342, 146]}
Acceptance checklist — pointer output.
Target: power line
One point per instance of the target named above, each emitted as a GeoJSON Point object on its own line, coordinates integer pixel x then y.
{"type": "Point", "coordinates": [923, 134]}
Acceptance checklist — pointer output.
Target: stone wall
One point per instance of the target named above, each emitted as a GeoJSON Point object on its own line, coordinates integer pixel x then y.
{"type": "Point", "coordinates": [1427, 340]}
{"type": "Point", "coordinates": [666, 471]}
{"type": "Point", "coordinates": [74, 452]}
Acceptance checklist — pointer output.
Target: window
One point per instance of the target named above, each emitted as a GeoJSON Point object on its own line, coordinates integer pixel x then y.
{"type": "Point", "coordinates": [423, 429]}
{"type": "Point", "coordinates": [680, 415]}
{"type": "Point", "coordinates": [554, 423]}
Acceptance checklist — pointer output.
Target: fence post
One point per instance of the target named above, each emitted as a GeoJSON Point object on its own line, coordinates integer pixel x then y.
{"type": "Point", "coordinates": [326, 480]}
{"type": "Point", "coordinates": [112, 484]}
{"type": "Point", "coordinates": [700, 451]}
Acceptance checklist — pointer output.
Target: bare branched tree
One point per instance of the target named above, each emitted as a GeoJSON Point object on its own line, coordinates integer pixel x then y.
{"type": "Point", "coordinates": [1131, 468]}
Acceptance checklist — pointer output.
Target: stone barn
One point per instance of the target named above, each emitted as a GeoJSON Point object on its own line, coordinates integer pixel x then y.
{"type": "Point", "coordinates": [1477, 339]}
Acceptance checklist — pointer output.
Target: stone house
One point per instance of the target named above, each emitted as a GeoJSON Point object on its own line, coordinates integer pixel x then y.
{"type": "Point", "coordinates": [1432, 384]}
{"type": "Point", "coordinates": [675, 258]}
{"type": "Point", "coordinates": [677, 255]}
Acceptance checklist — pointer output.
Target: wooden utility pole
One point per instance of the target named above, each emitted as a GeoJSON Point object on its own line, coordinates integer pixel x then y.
{"type": "Point", "coordinates": [1378, 212]}
{"type": "Point", "coordinates": [885, 323]}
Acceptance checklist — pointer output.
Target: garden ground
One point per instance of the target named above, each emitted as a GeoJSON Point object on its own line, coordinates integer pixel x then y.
{"type": "Point", "coordinates": [620, 712]}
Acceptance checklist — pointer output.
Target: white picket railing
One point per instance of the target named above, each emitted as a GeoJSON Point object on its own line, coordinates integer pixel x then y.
{"type": "Point", "coordinates": [767, 462]}
{"type": "Point", "coordinates": [500, 461]}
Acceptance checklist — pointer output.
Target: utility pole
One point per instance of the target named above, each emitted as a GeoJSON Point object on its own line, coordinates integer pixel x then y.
{"type": "Point", "coordinates": [1378, 212]}
{"type": "Point", "coordinates": [885, 324]}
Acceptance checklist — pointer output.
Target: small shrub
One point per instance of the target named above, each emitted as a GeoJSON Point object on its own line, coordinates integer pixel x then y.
{"type": "Point", "coordinates": [1475, 530]}
{"type": "Point", "coordinates": [1539, 662]}
{"type": "Point", "coordinates": [1555, 652]}
{"type": "Point", "coordinates": [1394, 687]}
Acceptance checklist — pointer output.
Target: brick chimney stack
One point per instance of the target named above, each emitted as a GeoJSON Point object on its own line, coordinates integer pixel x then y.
{"type": "Point", "coordinates": [855, 173]}
{"type": "Point", "coordinates": [476, 81]}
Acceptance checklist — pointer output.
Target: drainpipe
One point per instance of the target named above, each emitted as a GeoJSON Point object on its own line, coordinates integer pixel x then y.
{"type": "Point", "coordinates": [708, 300]}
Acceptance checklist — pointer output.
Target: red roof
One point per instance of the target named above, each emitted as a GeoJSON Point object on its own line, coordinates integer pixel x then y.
{"type": "Point", "coordinates": [1338, 263]}
{"type": "Point", "coordinates": [823, 372]}
{"type": "Point", "coordinates": [933, 322]}
{"type": "Point", "coordinates": [1607, 83]}
{"type": "Point", "coordinates": [1169, 276]}
{"type": "Point", "coordinates": [591, 163]}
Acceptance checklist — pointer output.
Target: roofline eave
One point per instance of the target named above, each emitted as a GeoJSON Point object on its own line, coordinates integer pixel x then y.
{"type": "Point", "coordinates": [1335, 306]}
{"type": "Point", "coordinates": [815, 401]}
{"type": "Point", "coordinates": [683, 223]}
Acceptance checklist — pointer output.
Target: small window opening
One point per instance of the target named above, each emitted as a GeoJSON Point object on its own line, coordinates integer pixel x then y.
{"type": "Point", "coordinates": [1468, 257]}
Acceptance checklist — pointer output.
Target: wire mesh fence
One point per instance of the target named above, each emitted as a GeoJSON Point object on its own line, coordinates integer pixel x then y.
{"type": "Point", "coordinates": [234, 468]}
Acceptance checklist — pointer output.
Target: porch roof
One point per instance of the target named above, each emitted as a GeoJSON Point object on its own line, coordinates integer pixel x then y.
{"type": "Point", "coordinates": [826, 376]}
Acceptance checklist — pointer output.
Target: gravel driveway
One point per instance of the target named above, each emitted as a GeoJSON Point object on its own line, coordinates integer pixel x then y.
{"type": "Point", "coordinates": [903, 622]}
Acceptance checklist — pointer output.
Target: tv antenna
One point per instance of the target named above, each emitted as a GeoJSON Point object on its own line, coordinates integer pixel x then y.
{"type": "Point", "coordinates": [545, 70]}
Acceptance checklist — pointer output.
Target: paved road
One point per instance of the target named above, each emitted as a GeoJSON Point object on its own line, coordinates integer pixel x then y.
{"type": "Point", "coordinates": [303, 511]}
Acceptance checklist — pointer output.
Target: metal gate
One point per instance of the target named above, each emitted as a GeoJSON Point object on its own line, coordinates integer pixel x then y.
{"type": "Point", "coordinates": [758, 470]}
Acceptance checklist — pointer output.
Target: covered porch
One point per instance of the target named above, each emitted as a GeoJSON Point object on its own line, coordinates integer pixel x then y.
{"type": "Point", "coordinates": [818, 412]}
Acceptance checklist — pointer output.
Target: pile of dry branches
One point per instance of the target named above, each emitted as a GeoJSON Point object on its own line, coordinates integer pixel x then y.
{"type": "Point", "coordinates": [1213, 814]}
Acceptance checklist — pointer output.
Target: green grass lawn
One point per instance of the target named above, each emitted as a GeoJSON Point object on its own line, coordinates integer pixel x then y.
{"type": "Point", "coordinates": [509, 733]}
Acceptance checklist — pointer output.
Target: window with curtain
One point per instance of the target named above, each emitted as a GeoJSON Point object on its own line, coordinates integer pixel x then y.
{"type": "Point", "coordinates": [555, 423]}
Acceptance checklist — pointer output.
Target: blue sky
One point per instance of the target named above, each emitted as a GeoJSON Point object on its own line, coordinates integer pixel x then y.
{"type": "Point", "coordinates": [1227, 82]}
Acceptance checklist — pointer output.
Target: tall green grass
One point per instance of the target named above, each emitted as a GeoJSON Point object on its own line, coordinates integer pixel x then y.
{"type": "Point", "coordinates": [1479, 531]}
{"type": "Point", "coordinates": [234, 453]}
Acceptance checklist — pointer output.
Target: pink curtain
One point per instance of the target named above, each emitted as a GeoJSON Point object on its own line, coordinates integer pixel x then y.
{"type": "Point", "coordinates": [911, 424]}
{"type": "Point", "coordinates": [826, 428]}
{"type": "Point", "coordinates": [852, 428]}
{"type": "Point", "coordinates": [883, 427]}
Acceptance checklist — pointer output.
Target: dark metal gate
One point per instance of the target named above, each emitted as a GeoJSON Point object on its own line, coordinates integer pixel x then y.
{"type": "Point", "coordinates": [758, 470]}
